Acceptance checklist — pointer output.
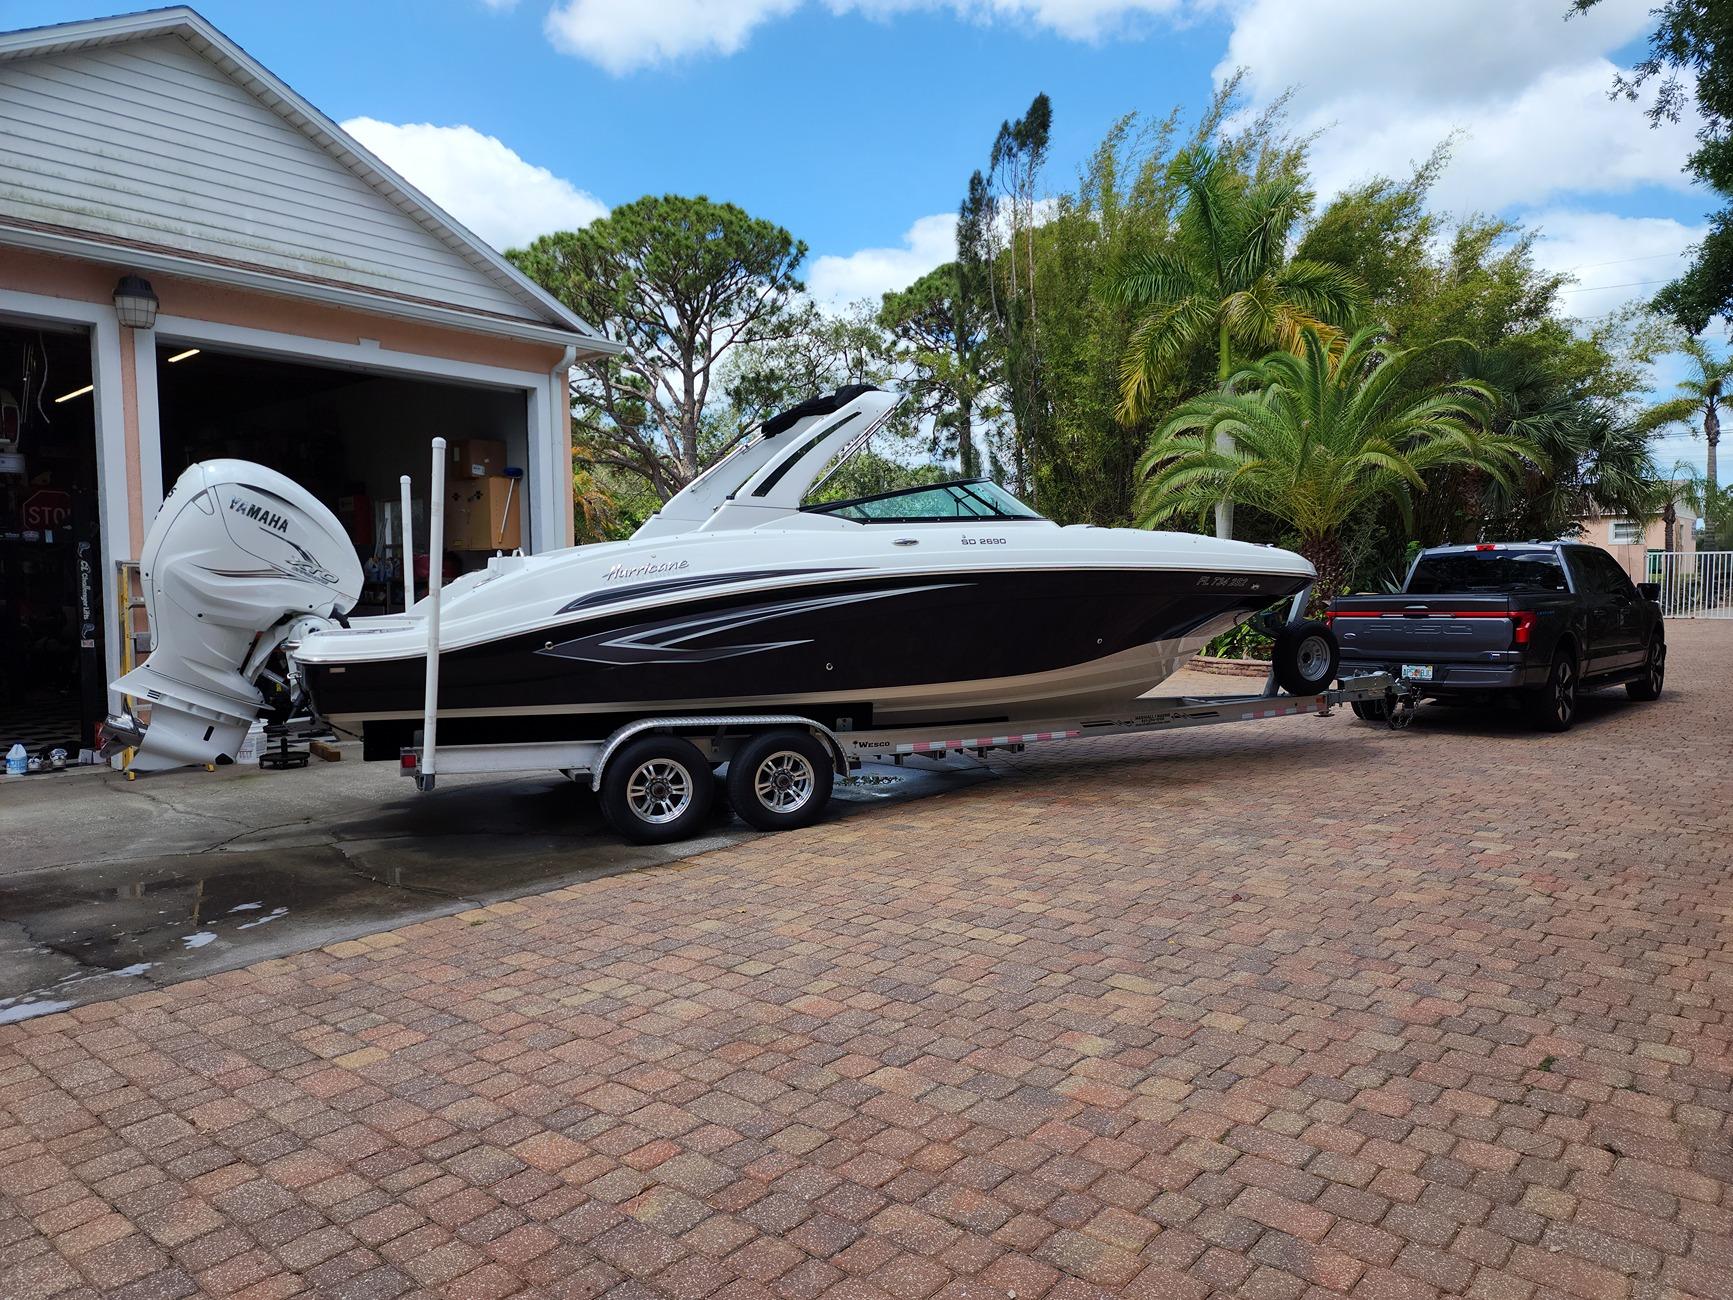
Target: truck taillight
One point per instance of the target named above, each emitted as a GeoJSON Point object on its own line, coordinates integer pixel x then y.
{"type": "Point", "coordinates": [1522, 627]}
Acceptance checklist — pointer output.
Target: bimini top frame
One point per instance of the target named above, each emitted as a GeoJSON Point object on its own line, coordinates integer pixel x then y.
{"type": "Point", "coordinates": [770, 471]}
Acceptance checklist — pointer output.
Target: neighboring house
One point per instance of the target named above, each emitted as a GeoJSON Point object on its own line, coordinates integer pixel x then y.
{"type": "Point", "coordinates": [1631, 541]}
{"type": "Point", "coordinates": [196, 262]}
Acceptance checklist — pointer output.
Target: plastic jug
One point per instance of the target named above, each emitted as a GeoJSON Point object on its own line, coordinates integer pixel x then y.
{"type": "Point", "coordinates": [16, 760]}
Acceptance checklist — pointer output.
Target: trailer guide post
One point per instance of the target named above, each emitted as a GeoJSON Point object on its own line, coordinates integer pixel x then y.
{"type": "Point", "coordinates": [435, 580]}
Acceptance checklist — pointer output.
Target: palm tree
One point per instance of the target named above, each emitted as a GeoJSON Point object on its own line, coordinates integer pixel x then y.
{"type": "Point", "coordinates": [1317, 438]}
{"type": "Point", "coordinates": [1703, 392]}
{"type": "Point", "coordinates": [1224, 280]}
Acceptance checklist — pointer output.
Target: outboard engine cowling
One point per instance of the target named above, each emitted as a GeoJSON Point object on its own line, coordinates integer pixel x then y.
{"type": "Point", "coordinates": [237, 556]}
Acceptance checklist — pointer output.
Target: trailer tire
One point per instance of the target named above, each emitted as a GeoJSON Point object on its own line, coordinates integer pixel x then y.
{"type": "Point", "coordinates": [1305, 658]}
{"type": "Point", "coordinates": [657, 789]}
{"type": "Point", "coordinates": [780, 780]}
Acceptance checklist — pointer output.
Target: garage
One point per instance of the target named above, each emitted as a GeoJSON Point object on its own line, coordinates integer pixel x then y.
{"type": "Point", "coordinates": [51, 581]}
{"type": "Point", "coordinates": [347, 435]}
{"type": "Point", "coordinates": [197, 263]}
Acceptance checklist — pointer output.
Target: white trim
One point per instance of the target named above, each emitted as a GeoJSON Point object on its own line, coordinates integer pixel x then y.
{"type": "Point", "coordinates": [93, 249]}
{"type": "Point", "coordinates": [190, 329]}
{"type": "Point", "coordinates": [149, 423]}
{"type": "Point", "coordinates": [299, 113]}
{"type": "Point", "coordinates": [113, 510]}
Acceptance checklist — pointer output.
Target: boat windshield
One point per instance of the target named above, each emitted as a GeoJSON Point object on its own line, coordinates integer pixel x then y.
{"type": "Point", "coordinates": [930, 503]}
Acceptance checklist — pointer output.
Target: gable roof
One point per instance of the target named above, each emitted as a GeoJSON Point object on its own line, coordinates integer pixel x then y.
{"type": "Point", "coordinates": [502, 300]}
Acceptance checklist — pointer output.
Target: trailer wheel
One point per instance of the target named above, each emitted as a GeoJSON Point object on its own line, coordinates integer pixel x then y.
{"type": "Point", "coordinates": [780, 780]}
{"type": "Point", "coordinates": [1305, 658]}
{"type": "Point", "coordinates": [657, 789]}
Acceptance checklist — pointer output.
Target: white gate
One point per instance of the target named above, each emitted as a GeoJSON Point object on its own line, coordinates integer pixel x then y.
{"type": "Point", "coordinates": [1694, 584]}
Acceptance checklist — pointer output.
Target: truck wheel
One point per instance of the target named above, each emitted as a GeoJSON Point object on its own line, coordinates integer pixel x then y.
{"type": "Point", "coordinates": [1648, 686]}
{"type": "Point", "coordinates": [780, 780]}
{"type": "Point", "coordinates": [657, 789]}
{"type": "Point", "coordinates": [1370, 710]}
{"type": "Point", "coordinates": [1553, 707]}
{"type": "Point", "coordinates": [1305, 658]}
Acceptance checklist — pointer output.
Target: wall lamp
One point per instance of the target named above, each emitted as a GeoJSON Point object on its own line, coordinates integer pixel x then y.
{"type": "Point", "coordinates": [135, 302]}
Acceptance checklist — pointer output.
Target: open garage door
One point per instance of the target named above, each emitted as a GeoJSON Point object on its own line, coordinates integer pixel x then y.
{"type": "Point", "coordinates": [347, 435]}
{"type": "Point", "coordinates": [52, 676]}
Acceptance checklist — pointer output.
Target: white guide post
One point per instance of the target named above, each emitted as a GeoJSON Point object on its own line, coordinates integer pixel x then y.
{"type": "Point", "coordinates": [408, 552]}
{"type": "Point", "coordinates": [435, 580]}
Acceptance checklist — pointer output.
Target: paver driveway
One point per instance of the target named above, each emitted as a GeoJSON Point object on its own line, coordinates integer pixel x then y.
{"type": "Point", "coordinates": [1298, 1009]}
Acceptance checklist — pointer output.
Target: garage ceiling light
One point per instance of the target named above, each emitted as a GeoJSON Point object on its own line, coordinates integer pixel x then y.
{"type": "Point", "coordinates": [182, 356]}
{"type": "Point", "coordinates": [135, 302]}
{"type": "Point", "coordinates": [76, 392]}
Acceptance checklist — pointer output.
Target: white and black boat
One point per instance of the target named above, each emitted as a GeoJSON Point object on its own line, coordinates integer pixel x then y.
{"type": "Point", "coordinates": [946, 603]}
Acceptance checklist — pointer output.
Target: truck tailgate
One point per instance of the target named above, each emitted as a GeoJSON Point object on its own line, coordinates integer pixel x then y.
{"type": "Point", "coordinates": [1423, 628]}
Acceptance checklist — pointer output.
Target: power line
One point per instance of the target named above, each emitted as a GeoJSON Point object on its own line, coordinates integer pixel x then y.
{"type": "Point", "coordinates": [1597, 288]}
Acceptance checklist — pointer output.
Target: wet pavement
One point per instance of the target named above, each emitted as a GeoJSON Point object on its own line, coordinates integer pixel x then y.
{"type": "Point", "coordinates": [108, 886]}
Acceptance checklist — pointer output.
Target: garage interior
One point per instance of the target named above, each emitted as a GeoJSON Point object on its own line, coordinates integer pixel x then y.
{"type": "Point", "coordinates": [347, 435]}
{"type": "Point", "coordinates": [52, 676]}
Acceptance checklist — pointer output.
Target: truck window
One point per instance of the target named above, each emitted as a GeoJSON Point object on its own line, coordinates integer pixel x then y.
{"type": "Point", "coordinates": [1489, 571]}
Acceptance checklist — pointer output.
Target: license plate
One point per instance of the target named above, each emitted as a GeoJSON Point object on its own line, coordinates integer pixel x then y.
{"type": "Point", "coordinates": [1416, 672]}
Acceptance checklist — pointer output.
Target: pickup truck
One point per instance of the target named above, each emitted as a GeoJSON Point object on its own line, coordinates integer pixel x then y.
{"type": "Point", "coordinates": [1537, 621]}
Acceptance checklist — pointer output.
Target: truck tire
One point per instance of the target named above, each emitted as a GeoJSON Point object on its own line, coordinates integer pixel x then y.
{"type": "Point", "coordinates": [1648, 686]}
{"type": "Point", "coordinates": [780, 780]}
{"type": "Point", "coordinates": [1370, 710]}
{"type": "Point", "coordinates": [1553, 707]}
{"type": "Point", "coordinates": [1305, 658]}
{"type": "Point", "coordinates": [657, 789]}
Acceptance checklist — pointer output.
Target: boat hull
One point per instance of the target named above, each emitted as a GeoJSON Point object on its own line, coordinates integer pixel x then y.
{"type": "Point", "coordinates": [877, 651]}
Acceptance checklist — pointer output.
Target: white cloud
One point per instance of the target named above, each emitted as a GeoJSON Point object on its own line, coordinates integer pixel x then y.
{"type": "Point", "coordinates": [621, 35]}
{"type": "Point", "coordinates": [479, 180]}
{"type": "Point", "coordinates": [500, 6]}
{"type": "Point", "coordinates": [1523, 90]}
{"type": "Point", "coordinates": [1612, 258]}
{"type": "Point", "coordinates": [835, 281]}
{"type": "Point", "coordinates": [624, 35]}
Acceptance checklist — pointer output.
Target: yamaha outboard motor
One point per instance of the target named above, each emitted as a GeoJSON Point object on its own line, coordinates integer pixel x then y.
{"type": "Point", "coordinates": [238, 560]}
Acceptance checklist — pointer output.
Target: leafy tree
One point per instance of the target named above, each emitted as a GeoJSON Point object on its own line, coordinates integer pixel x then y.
{"type": "Point", "coordinates": [1693, 41]}
{"type": "Point", "coordinates": [1014, 165]}
{"type": "Point", "coordinates": [1312, 439]}
{"type": "Point", "coordinates": [819, 352]}
{"type": "Point", "coordinates": [1713, 504]}
{"type": "Point", "coordinates": [1226, 277]}
{"type": "Point", "coordinates": [681, 281]}
{"type": "Point", "coordinates": [1702, 394]}
{"type": "Point", "coordinates": [941, 337]}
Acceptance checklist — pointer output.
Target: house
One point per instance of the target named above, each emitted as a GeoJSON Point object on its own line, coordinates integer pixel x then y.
{"type": "Point", "coordinates": [196, 262]}
{"type": "Point", "coordinates": [1632, 541]}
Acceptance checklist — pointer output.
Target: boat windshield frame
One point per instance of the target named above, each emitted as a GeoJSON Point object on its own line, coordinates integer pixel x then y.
{"type": "Point", "coordinates": [993, 511]}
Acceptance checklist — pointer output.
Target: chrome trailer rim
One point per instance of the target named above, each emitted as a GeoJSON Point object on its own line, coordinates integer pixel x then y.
{"type": "Point", "coordinates": [659, 790]}
{"type": "Point", "coordinates": [784, 781]}
{"type": "Point", "coordinates": [1312, 657]}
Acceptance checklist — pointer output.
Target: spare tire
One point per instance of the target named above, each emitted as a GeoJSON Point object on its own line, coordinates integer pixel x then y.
{"type": "Point", "coordinates": [1305, 658]}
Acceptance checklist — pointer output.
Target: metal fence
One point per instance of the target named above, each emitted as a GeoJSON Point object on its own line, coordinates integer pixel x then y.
{"type": "Point", "coordinates": [1694, 584]}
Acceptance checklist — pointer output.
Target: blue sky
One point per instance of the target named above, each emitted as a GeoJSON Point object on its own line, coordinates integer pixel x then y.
{"type": "Point", "coordinates": [855, 123]}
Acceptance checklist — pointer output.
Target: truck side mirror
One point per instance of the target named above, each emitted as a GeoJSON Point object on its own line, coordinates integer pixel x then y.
{"type": "Point", "coordinates": [1649, 590]}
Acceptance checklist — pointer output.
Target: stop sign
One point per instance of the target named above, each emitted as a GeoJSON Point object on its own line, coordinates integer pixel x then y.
{"type": "Point", "coordinates": [49, 508]}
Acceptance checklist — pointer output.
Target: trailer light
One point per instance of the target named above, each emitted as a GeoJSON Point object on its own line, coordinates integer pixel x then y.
{"type": "Point", "coordinates": [1522, 627]}
{"type": "Point", "coordinates": [407, 761]}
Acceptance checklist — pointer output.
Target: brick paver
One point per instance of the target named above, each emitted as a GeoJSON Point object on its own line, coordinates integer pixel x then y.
{"type": "Point", "coordinates": [1295, 1010]}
